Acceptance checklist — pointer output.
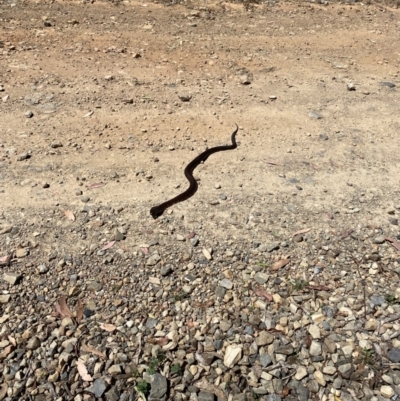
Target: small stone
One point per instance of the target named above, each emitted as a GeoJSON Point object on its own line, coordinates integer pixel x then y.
{"type": "Point", "coordinates": [112, 394]}
{"type": "Point", "coordinates": [153, 259]}
{"type": "Point", "coordinates": [185, 97]}
{"type": "Point", "coordinates": [207, 254]}
{"type": "Point", "coordinates": [159, 387]}
{"type": "Point", "coordinates": [379, 240]}
{"type": "Point", "coordinates": [388, 84]}
{"type": "Point", "coordinates": [165, 271]}
{"type": "Point", "coordinates": [264, 338]}
{"type": "Point", "coordinates": [285, 350]}
{"type": "Point", "coordinates": [118, 236]}
{"type": "Point", "coordinates": [394, 355]}
{"type": "Point", "coordinates": [43, 269]}
{"type": "Point", "coordinates": [346, 370]}
{"type": "Point", "coordinates": [377, 300]}
{"type": "Point", "coordinates": [23, 156]}
{"type": "Point", "coordinates": [85, 199]}
{"type": "Point", "coordinates": [56, 144]}
{"type": "Point", "coordinates": [114, 370]}
{"type": "Point", "coordinates": [33, 343]}
{"type": "Point", "coordinates": [225, 283]}
{"type": "Point", "coordinates": [387, 392]}
{"type": "Point", "coordinates": [314, 331]}
{"type": "Point", "coordinates": [233, 353]}
{"type": "Point", "coordinates": [4, 299]}
{"type": "Point", "coordinates": [394, 221]}
{"type": "Point", "coordinates": [371, 324]}
{"type": "Point", "coordinates": [28, 114]}
{"type": "Point", "coordinates": [180, 237]}
{"type": "Point", "coordinates": [94, 286]}
{"type": "Point", "coordinates": [315, 348]}
{"type": "Point", "coordinates": [21, 252]}
{"type": "Point", "coordinates": [261, 278]}
{"type": "Point", "coordinates": [301, 373]}
{"type": "Point", "coordinates": [265, 360]}
{"type": "Point", "coordinates": [351, 87]}
{"type": "Point", "coordinates": [98, 387]}
{"type": "Point", "coordinates": [12, 278]}
{"type": "Point", "coordinates": [314, 114]}
{"type": "Point", "coordinates": [45, 185]}
{"type": "Point", "coordinates": [329, 370]}
{"type": "Point", "coordinates": [273, 246]}
{"type": "Point", "coordinates": [245, 79]}
{"type": "Point", "coordinates": [204, 396]}
{"type": "Point", "coordinates": [319, 377]}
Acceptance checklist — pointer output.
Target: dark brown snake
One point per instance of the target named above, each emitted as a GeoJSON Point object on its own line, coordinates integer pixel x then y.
{"type": "Point", "coordinates": [158, 210]}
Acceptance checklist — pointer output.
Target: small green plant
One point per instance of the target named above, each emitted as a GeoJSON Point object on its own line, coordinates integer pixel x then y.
{"type": "Point", "coordinates": [179, 296]}
{"type": "Point", "coordinates": [176, 368]}
{"type": "Point", "coordinates": [391, 299]}
{"type": "Point", "coordinates": [298, 285]}
{"type": "Point", "coordinates": [154, 363]}
{"type": "Point", "coordinates": [367, 355]}
{"type": "Point", "coordinates": [262, 264]}
{"type": "Point", "coordinates": [142, 387]}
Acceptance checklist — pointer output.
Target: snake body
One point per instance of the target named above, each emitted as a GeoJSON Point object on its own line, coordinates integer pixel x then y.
{"type": "Point", "coordinates": [158, 210]}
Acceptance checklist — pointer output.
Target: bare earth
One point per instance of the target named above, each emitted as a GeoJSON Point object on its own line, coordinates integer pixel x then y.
{"type": "Point", "coordinates": [121, 98]}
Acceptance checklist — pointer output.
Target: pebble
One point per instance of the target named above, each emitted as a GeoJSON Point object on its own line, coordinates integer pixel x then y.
{"type": "Point", "coordinates": [261, 278]}
{"type": "Point", "coordinates": [98, 387]}
{"type": "Point", "coordinates": [225, 283]}
{"type": "Point", "coordinates": [314, 114]}
{"type": "Point", "coordinates": [159, 387]}
{"type": "Point", "coordinates": [245, 79]}
{"type": "Point", "coordinates": [301, 373]}
{"type": "Point", "coordinates": [319, 377]}
{"type": "Point", "coordinates": [12, 278]}
{"type": "Point", "coordinates": [28, 114]}
{"type": "Point", "coordinates": [387, 391]}
{"type": "Point", "coordinates": [233, 354]}
{"type": "Point", "coordinates": [394, 355]}
{"type": "Point", "coordinates": [23, 156]}
{"type": "Point", "coordinates": [379, 240]}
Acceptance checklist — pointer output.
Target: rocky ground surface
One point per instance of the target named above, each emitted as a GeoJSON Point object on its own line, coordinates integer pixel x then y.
{"type": "Point", "coordinates": [278, 280]}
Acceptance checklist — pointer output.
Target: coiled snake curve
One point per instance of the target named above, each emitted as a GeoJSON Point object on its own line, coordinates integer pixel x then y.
{"type": "Point", "coordinates": [158, 210]}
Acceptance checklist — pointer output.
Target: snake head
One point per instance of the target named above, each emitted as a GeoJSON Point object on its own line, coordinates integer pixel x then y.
{"type": "Point", "coordinates": [156, 212]}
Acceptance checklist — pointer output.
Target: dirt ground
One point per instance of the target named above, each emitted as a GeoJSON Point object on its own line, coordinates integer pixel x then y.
{"type": "Point", "coordinates": [103, 105]}
{"type": "Point", "coordinates": [103, 83]}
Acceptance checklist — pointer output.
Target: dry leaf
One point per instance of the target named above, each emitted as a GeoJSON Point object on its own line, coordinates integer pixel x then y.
{"type": "Point", "coordinates": [303, 231]}
{"type": "Point", "coordinates": [346, 234]}
{"type": "Point", "coordinates": [3, 390]}
{"type": "Point", "coordinates": [79, 311]}
{"type": "Point", "coordinates": [265, 294]}
{"type": "Point", "coordinates": [83, 372]}
{"type": "Point", "coordinates": [62, 307]}
{"type": "Point", "coordinates": [393, 242]}
{"type": "Point", "coordinates": [279, 264]}
{"type": "Point", "coordinates": [69, 215]}
{"type": "Point", "coordinates": [163, 341]}
{"type": "Point", "coordinates": [285, 392]}
{"type": "Point", "coordinates": [319, 287]}
{"type": "Point", "coordinates": [5, 260]}
{"type": "Point", "coordinates": [205, 385]}
{"type": "Point", "coordinates": [89, 348]}
{"type": "Point", "coordinates": [108, 246]}
{"type": "Point", "coordinates": [108, 327]}
{"type": "Point", "coordinates": [96, 185]}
